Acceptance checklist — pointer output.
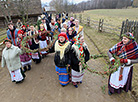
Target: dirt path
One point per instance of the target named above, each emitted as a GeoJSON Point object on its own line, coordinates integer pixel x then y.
{"type": "Point", "coordinates": [41, 85]}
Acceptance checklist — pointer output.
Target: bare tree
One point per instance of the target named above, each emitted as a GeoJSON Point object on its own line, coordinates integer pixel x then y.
{"type": "Point", "coordinates": [5, 10]}
{"type": "Point", "coordinates": [62, 5]}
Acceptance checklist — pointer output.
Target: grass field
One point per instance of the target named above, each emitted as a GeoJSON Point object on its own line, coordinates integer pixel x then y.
{"type": "Point", "coordinates": [104, 41]}
{"type": "Point", "coordinates": [112, 16]}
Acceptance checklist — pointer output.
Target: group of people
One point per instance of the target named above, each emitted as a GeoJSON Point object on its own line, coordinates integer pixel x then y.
{"type": "Point", "coordinates": [70, 51]}
{"type": "Point", "coordinates": [69, 48]}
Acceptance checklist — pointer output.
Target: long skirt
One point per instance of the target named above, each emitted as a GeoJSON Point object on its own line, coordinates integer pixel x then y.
{"type": "Point", "coordinates": [76, 76]}
{"type": "Point", "coordinates": [16, 75]}
{"type": "Point", "coordinates": [62, 75]}
{"type": "Point", "coordinates": [43, 44]}
{"type": "Point", "coordinates": [116, 86]}
{"type": "Point", "coordinates": [26, 63]}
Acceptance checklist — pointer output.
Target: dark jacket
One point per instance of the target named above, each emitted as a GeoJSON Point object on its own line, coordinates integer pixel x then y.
{"type": "Point", "coordinates": [75, 61]}
{"type": "Point", "coordinates": [65, 60]}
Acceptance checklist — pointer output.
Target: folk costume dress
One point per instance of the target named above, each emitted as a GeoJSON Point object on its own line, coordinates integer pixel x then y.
{"type": "Point", "coordinates": [35, 45]}
{"type": "Point", "coordinates": [10, 57]}
{"type": "Point", "coordinates": [43, 40]}
{"type": "Point", "coordinates": [129, 52]}
{"type": "Point", "coordinates": [25, 57]}
{"type": "Point", "coordinates": [62, 59]}
{"type": "Point", "coordinates": [79, 51]}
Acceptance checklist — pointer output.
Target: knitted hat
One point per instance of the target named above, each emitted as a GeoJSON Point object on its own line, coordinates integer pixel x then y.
{"type": "Point", "coordinates": [7, 40]}
{"type": "Point", "coordinates": [64, 35]}
{"type": "Point", "coordinates": [128, 35]}
{"type": "Point", "coordinates": [23, 26]}
{"type": "Point", "coordinates": [20, 32]}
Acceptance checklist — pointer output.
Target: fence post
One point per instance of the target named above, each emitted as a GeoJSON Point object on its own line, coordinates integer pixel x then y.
{"type": "Point", "coordinates": [126, 26]}
{"type": "Point", "coordinates": [100, 28]}
{"type": "Point", "coordinates": [80, 18]}
{"type": "Point", "coordinates": [88, 21]}
{"type": "Point", "coordinates": [122, 29]}
{"type": "Point", "coordinates": [136, 32]}
{"type": "Point", "coordinates": [75, 16]}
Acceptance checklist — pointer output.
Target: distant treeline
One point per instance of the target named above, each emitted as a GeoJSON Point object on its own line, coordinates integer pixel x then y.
{"type": "Point", "coordinates": [103, 4]}
{"type": "Point", "coordinates": [65, 5]}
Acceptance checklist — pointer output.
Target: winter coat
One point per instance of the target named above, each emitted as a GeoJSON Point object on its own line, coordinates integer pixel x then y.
{"type": "Point", "coordinates": [10, 57]}
{"type": "Point", "coordinates": [66, 58]}
{"type": "Point", "coordinates": [13, 37]}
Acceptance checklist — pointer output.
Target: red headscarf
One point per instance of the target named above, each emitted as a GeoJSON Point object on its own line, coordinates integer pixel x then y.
{"type": "Point", "coordinates": [64, 35]}
{"type": "Point", "coordinates": [23, 26]}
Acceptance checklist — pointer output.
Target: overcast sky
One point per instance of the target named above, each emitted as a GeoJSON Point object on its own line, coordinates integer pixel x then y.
{"type": "Point", "coordinates": [74, 1]}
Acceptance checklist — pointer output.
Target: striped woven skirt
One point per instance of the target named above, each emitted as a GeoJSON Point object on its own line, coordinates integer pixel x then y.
{"type": "Point", "coordinates": [76, 76]}
{"type": "Point", "coordinates": [62, 75]}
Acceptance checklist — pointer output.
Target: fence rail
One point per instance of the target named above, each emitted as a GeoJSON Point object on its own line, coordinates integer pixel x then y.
{"type": "Point", "coordinates": [2, 36]}
{"type": "Point", "coordinates": [100, 25]}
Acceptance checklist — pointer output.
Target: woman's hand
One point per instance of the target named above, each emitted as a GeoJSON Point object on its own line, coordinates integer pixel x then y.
{"type": "Point", "coordinates": [79, 63]}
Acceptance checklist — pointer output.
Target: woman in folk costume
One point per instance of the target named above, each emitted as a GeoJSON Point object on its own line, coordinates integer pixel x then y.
{"type": "Point", "coordinates": [70, 23]}
{"type": "Point", "coordinates": [52, 24]}
{"type": "Point", "coordinates": [23, 30]}
{"type": "Point", "coordinates": [12, 33]}
{"type": "Point", "coordinates": [79, 52]}
{"type": "Point", "coordinates": [35, 45]}
{"type": "Point", "coordinates": [127, 51]}
{"type": "Point", "coordinates": [62, 48]}
{"type": "Point", "coordinates": [56, 30]}
{"type": "Point", "coordinates": [71, 33]}
{"type": "Point", "coordinates": [78, 28]}
{"type": "Point", "coordinates": [11, 58]}
{"type": "Point", "coordinates": [25, 57]}
{"type": "Point", "coordinates": [42, 39]}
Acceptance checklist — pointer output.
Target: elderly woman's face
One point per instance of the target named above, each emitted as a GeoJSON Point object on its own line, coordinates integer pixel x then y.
{"type": "Point", "coordinates": [82, 40]}
{"type": "Point", "coordinates": [41, 27]}
{"type": "Point", "coordinates": [125, 40]}
{"type": "Point", "coordinates": [70, 31]}
{"type": "Point", "coordinates": [61, 39]}
{"type": "Point", "coordinates": [64, 25]}
{"type": "Point", "coordinates": [8, 44]}
{"type": "Point", "coordinates": [32, 28]}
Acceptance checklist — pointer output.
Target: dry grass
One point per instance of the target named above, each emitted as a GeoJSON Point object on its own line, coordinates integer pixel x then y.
{"type": "Point", "coordinates": [112, 16]}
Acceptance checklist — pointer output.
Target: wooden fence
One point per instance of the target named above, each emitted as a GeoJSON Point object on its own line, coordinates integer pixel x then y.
{"type": "Point", "coordinates": [130, 26]}
{"type": "Point", "coordinates": [3, 35]}
{"type": "Point", "coordinates": [99, 25]}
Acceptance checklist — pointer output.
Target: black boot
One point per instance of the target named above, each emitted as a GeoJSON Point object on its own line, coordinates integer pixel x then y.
{"type": "Point", "coordinates": [43, 56]}
{"type": "Point", "coordinates": [24, 69]}
{"type": "Point", "coordinates": [29, 67]}
{"type": "Point", "coordinates": [22, 72]}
